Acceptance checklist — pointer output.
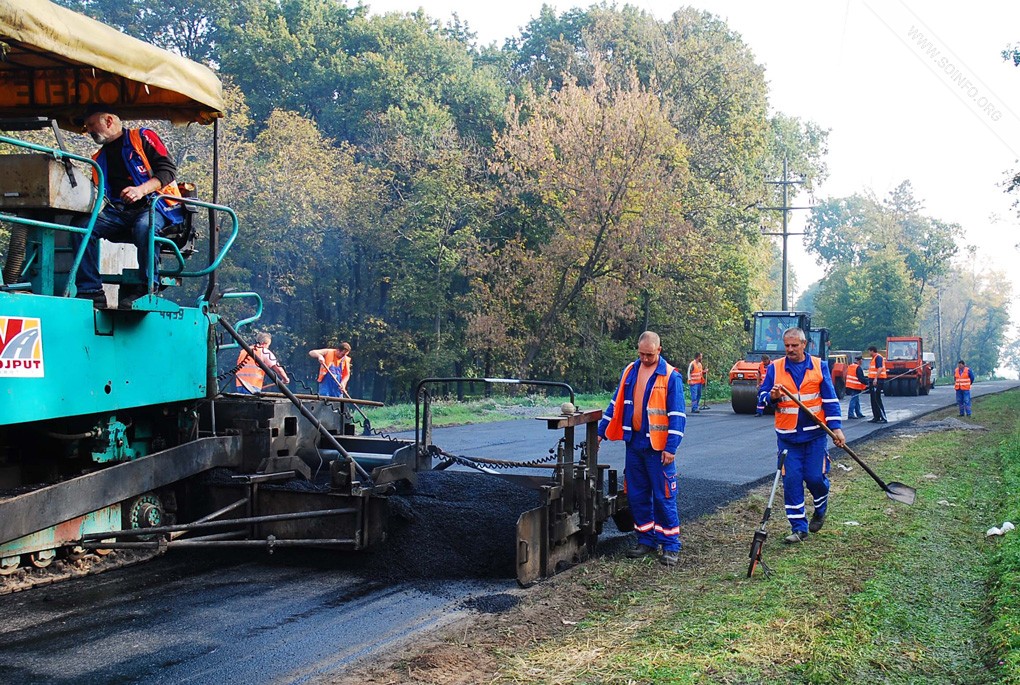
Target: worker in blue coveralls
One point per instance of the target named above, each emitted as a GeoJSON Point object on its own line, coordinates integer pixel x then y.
{"type": "Point", "coordinates": [652, 427]}
{"type": "Point", "coordinates": [807, 459]}
{"type": "Point", "coordinates": [963, 378]}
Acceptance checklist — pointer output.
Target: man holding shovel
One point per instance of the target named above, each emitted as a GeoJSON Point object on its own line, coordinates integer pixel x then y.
{"type": "Point", "coordinates": [807, 458]}
{"type": "Point", "coordinates": [334, 369]}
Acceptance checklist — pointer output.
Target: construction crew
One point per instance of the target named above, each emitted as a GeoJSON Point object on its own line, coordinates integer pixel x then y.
{"type": "Point", "coordinates": [763, 366]}
{"type": "Point", "coordinates": [807, 459]}
{"type": "Point", "coordinates": [249, 377]}
{"type": "Point", "coordinates": [856, 383]}
{"type": "Point", "coordinates": [334, 369]}
{"type": "Point", "coordinates": [696, 379]}
{"type": "Point", "coordinates": [877, 373]}
{"type": "Point", "coordinates": [136, 167]}
{"type": "Point", "coordinates": [647, 413]}
{"type": "Point", "coordinates": [963, 378]}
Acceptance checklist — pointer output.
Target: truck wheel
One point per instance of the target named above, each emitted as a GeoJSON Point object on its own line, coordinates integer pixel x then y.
{"type": "Point", "coordinates": [913, 387]}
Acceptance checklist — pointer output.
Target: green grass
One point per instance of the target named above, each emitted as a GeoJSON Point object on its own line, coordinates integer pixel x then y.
{"type": "Point", "coordinates": [908, 595]}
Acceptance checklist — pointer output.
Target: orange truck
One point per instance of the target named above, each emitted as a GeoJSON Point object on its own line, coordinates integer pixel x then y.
{"type": "Point", "coordinates": [909, 373]}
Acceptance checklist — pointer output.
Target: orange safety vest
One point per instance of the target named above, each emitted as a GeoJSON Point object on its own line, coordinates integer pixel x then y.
{"type": "Point", "coordinates": [250, 375]}
{"type": "Point", "coordinates": [852, 383]}
{"type": "Point", "coordinates": [658, 416]}
{"type": "Point", "coordinates": [697, 376]}
{"type": "Point", "coordinates": [962, 380]}
{"type": "Point", "coordinates": [135, 136]}
{"type": "Point", "coordinates": [331, 360]}
{"type": "Point", "coordinates": [810, 393]}
{"type": "Point", "coordinates": [879, 373]}
{"type": "Point", "coordinates": [762, 370]}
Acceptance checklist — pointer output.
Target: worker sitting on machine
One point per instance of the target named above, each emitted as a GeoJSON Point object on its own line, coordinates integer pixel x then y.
{"type": "Point", "coordinates": [136, 166]}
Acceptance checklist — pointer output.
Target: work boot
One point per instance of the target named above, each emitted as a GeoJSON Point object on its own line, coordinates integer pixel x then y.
{"type": "Point", "coordinates": [640, 550]}
{"type": "Point", "coordinates": [795, 537]}
{"type": "Point", "coordinates": [98, 297]}
{"type": "Point", "coordinates": [817, 521]}
{"type": "Point", "coordinates": [129, 293]}
{"type": "Point", "coordinates": [669, 558]}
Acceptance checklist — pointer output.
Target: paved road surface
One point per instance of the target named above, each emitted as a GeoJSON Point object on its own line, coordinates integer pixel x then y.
{"type": "Point", "coordinates": [242, 618]}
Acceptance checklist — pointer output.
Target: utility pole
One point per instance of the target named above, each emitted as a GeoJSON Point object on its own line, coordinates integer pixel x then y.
{"type": "Point", "coordinates": [785, 209]}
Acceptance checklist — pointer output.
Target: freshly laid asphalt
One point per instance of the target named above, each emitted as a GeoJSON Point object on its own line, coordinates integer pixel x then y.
{"type": "Point", "coordinates": [246, 617]}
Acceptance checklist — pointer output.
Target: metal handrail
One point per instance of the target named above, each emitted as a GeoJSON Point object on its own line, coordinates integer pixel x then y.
{"type": "Point", "coordinates": [96, 205]}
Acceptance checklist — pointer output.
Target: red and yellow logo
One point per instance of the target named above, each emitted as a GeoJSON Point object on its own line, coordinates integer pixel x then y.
{"type": "Point", "coordinates": [20, 347]}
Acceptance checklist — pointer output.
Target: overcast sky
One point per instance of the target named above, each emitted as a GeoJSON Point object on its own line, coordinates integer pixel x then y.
{"type": "Point", "coordinates": [912, 91]}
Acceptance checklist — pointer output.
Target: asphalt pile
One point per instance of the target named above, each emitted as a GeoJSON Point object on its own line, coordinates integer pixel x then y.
{"type": "Point", "coordinates": [453, 525]}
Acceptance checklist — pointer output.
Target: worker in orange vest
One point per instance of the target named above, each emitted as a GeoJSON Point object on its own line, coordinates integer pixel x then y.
{"type": "Point", "coordinates": [963, 377]}
{"type": "Point", "coordinates": [696, 379]}
{"type": "Point", "coordinates": [334, 369]}
{"type": "Point", "coordinates": [647, 413]}
{"type": "Point", "coordinates": [807, 459]}
{"type": "Point", "coordinates": [856, 383]}
{"type": "Point", "coordinates": [249, 377]}
{"type": "Point", "coordinates": [877, 373]}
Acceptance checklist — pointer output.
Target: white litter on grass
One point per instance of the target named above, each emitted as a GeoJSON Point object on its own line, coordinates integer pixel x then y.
{"type": "Point", "coordinates": [844, 466]}
{"type": "Point", "coordinates": [851, 523]}
{"type": "Point", "coordinates": [946, 503]}
{"type": "Point", "coordinates": [930, 476]}
{"type": "Point", "coordinates": [993, 531]}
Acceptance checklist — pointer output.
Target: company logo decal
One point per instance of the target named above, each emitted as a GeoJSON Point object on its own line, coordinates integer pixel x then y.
{"type": "Point", "coordinates": [20, 347]}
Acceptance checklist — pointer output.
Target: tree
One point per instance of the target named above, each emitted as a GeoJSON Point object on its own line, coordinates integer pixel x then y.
{"type": "Point", "coordinates": [187, 27]}
{"type": "Point", "coordinates": [593, 177]}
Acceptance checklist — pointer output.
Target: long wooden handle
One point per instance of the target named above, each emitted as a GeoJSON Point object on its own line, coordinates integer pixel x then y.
{"type": "Point", "coordinates": [828, 430]}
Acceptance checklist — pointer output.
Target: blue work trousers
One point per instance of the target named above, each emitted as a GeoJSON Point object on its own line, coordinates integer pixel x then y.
{"type": "Point", "coordinates": [854, 410]}
{"type": "Point", "coordinates": [806, 462]}
{"type": "Point", "coordinates": [696, 395]}
{"type": "Point", "coordinates": [963, 402]}
{"type": "Point", "coordinates": [117, 225]}
{"type": "Point", "coordinates": [651, 493]}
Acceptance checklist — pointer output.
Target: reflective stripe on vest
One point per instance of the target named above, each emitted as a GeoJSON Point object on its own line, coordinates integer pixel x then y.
{"type": "Point", "coordinates": [696, 375]}
{"type": "Point", "coordinates": [880, 373]}
{"type": "Point", "coordinates": [656, 411]}
{"type": "Point", "coordinates": [809, 393]}
{"type": "Point", "coordinates": [250, 375]}
{"type": "Point", "coordinates": [852, 383]}
{"type": "Point", "coordinates": [962, 380]}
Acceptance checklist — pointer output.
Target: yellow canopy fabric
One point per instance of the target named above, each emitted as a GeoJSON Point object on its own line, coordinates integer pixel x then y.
{"type": "Point", "coordinates": [55, 62]}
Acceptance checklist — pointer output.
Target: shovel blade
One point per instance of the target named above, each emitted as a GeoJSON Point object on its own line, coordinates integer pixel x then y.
{"type": "Point", "coordinates": [900, 492]}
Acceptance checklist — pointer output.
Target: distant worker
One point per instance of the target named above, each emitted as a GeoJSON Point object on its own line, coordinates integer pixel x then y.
{"type": "Point", "coordinates": [877, 373]}
{"type": "Point", "coordinates": [647, 413]}
{"type": "Point", "coordinates": [856, 383]}
{"type": "Point", "coordinates": [963, 378]}
{"type": "Point", "coordinates": [249, 377]}
{"type": "Point", "coordinates": [136, 166]}
{"type": "Point", "coordinates": [763, 367]}
{"type": "Point", "coordinates": [696, 380]}
{"type": "Point", "coordinates": [807, 459]}
{"type": "Point", "coordinates": [334, 369]}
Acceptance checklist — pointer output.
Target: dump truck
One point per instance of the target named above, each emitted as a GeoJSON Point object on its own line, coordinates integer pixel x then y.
{"type": "Point", "coordinates": [908, 372]}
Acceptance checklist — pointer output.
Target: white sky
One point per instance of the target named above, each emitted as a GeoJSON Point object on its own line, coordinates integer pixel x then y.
{"type": "Point", "coordinates": [947, 118]}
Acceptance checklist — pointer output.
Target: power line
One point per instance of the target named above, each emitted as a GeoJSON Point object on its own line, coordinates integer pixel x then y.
{"type": "Point", "coordinates": [786, 182]}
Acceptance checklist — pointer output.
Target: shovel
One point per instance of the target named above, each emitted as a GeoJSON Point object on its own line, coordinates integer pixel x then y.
{"type": "Point", "coordinates": [897, 491]}
{"type": "Point", "coordinates": [366, 424]}
{"type": "Point", "coordinates": [760, 535]}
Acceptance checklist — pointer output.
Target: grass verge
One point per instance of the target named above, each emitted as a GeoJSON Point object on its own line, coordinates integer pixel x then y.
{"type": "Point", "coordinates": [884, 593]}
